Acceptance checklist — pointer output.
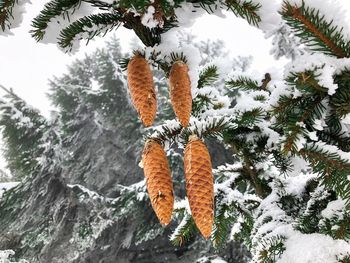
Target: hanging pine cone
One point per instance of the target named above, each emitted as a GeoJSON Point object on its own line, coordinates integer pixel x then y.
{"type": "Point", "coordinates": [199, 184]}
{"type": "Point", "coordinates": [158, 178]}
{"type": "Point", "coordinates": [141, 86]}
{"type": "Point", "coordinates": [180, 92]}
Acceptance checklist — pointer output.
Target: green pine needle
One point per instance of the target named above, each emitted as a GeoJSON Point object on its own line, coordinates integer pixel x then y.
{"type": "Point", "coordinates": [184, 231]}
{"type": "Point", "coordinates": [222, 225]}
{"type": "Point", "coordinates": [315, 31]}
{"type": "Point", "coordinates": [245, 9]}
{"type": "Point", "coordinates": [333, 169]}
{"type": "Point", "coordinates": [87, 28]}
{"type": "Point", "coordinates": [6, 7]}
{"type": "Point", "coordinates": [243, 83]}
{"type": "Point", "coordinates": [272, 249]}
{"type": "Point", "coordinates": [50, 11]}
{"type": "Point", "coordinates": [208, 76]}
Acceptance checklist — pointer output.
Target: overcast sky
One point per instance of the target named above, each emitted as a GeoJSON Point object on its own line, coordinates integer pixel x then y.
{"type": "Point", "coordinates": [26, 65]}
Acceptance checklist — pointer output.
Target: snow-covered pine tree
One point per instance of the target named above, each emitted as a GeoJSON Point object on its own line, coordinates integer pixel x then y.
{"type": "Point", "coordinates": [94, 110]}
{"type": "Point", "coordinates": [286, 196]}
{"type": "Point", "coordinates": [23, 128]}
{"type": "Point", "coordinates": [83, 147]}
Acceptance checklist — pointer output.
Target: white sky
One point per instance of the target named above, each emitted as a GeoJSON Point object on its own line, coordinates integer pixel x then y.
{"type": "Point", "coordinates": [26, 65]}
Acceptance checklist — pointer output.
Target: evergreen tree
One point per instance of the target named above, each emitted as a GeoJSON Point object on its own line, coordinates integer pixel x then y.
{"type": "Point", "coordinates": [287, 190]}
{"type": "Point", "coordinates": [23, 131]}
{"type": "Point", "coordinates": [93, 109]}
{"type": "Point", "coordinates": [82, 154]}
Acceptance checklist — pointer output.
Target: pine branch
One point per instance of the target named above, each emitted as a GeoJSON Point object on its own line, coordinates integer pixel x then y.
{"type": "Point", "coordinates": [226, 215]}
{"type": "Point", "coordinates": [308, 221]}
{"type": "Point", "coordinates": [335, 137]}
{"type": "Point", "coordinates": [245, 9]}
{"type": "Point", "coordinates": [337, 227]}
{"type": "Point", "coordinates": [6, 7]}
{"type": "Point", "coordinates": [222, 226]}
{"type": "Point", "coordinates": [99, 4]}
{"type": "Point", "coordinates": [199, 104]}
{"type": "Point", "coordinates": [315, 31]}
{"type": "Point", "coordinates": [149, 37]}
{"type": "Point", "coordinates": [249, 153]}
{"type": "Point", "coordinates": [261, 189]}
{"type": "Point", "coordinates": [11, 93]}
{"type": "Point", "coordinates": [306, 82]}
{"type": "Point", "coordinates": [344, 259]}
{"type": "Point", "coordinates": [130, 200]}
{"type": "Point", "coordinates": [340, 101]}
{"type": "Point", "coordinates": [244, 83]}
{"type": "Point", "coordinates": [208, 76]}
{"type": "Point", "coordinates": [295, 116]}
{"type": "Point", "coordinates": [282, 162]}
{"type": "Point", "coordinates": [50, 11]}
{"type": "Point", "coordinates": [250, 118]}
{"type": "Point", "coordinates": [333, 121]}
{"type": "Point", "coordinates": [206, 128]}
{"type": "Point", "coordinates": [330, 165]}
{"type": "Point", "coordinates": [87, 28]}
{"type": "Point", "coordinates": [166, 133]}
{"type": "Point", "coordinates": [185, 230]}
{"type": "Point", "coordinates": [272, 249]}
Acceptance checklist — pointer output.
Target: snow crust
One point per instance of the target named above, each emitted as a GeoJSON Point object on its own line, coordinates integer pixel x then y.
{"type": "Point", "coordinates": [313, 248]}
{"type": "Point", "coordinates": [299, 247]}
{"type": "Point", "coordinates": [325, 68]}
{"type": "Point", "coordinates": [334, 208]}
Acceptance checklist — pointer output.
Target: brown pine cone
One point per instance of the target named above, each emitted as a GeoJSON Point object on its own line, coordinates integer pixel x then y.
{"type": "Point", "coordinates": [199, 184]}
{"type": "Point", "coordinates": [141, 86]}
{"type": "Point", "coordinates": [158, 178]}
{"type": "Point", "coordinates": [180, 92]}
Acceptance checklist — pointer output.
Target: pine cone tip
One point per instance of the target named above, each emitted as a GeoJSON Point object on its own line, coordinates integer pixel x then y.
{"type": "Point", "coordinates": [193, 137]}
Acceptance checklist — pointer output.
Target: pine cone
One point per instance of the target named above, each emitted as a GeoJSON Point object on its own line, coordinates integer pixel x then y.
{"type": "Point", "coordinates": [159, 183]}
{"type": "Point", "coordinates": [141, 86]}
{"type": "Point", "coordinates": [199, 184]}
{"type": "Point", "coordinates": [180, 92]}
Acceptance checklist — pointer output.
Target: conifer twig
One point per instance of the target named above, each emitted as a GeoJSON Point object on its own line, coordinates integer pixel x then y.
{"type": "Point", "coordinates": [10, 92]}
{"type": "Point", "coordinates": [299, 14]}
